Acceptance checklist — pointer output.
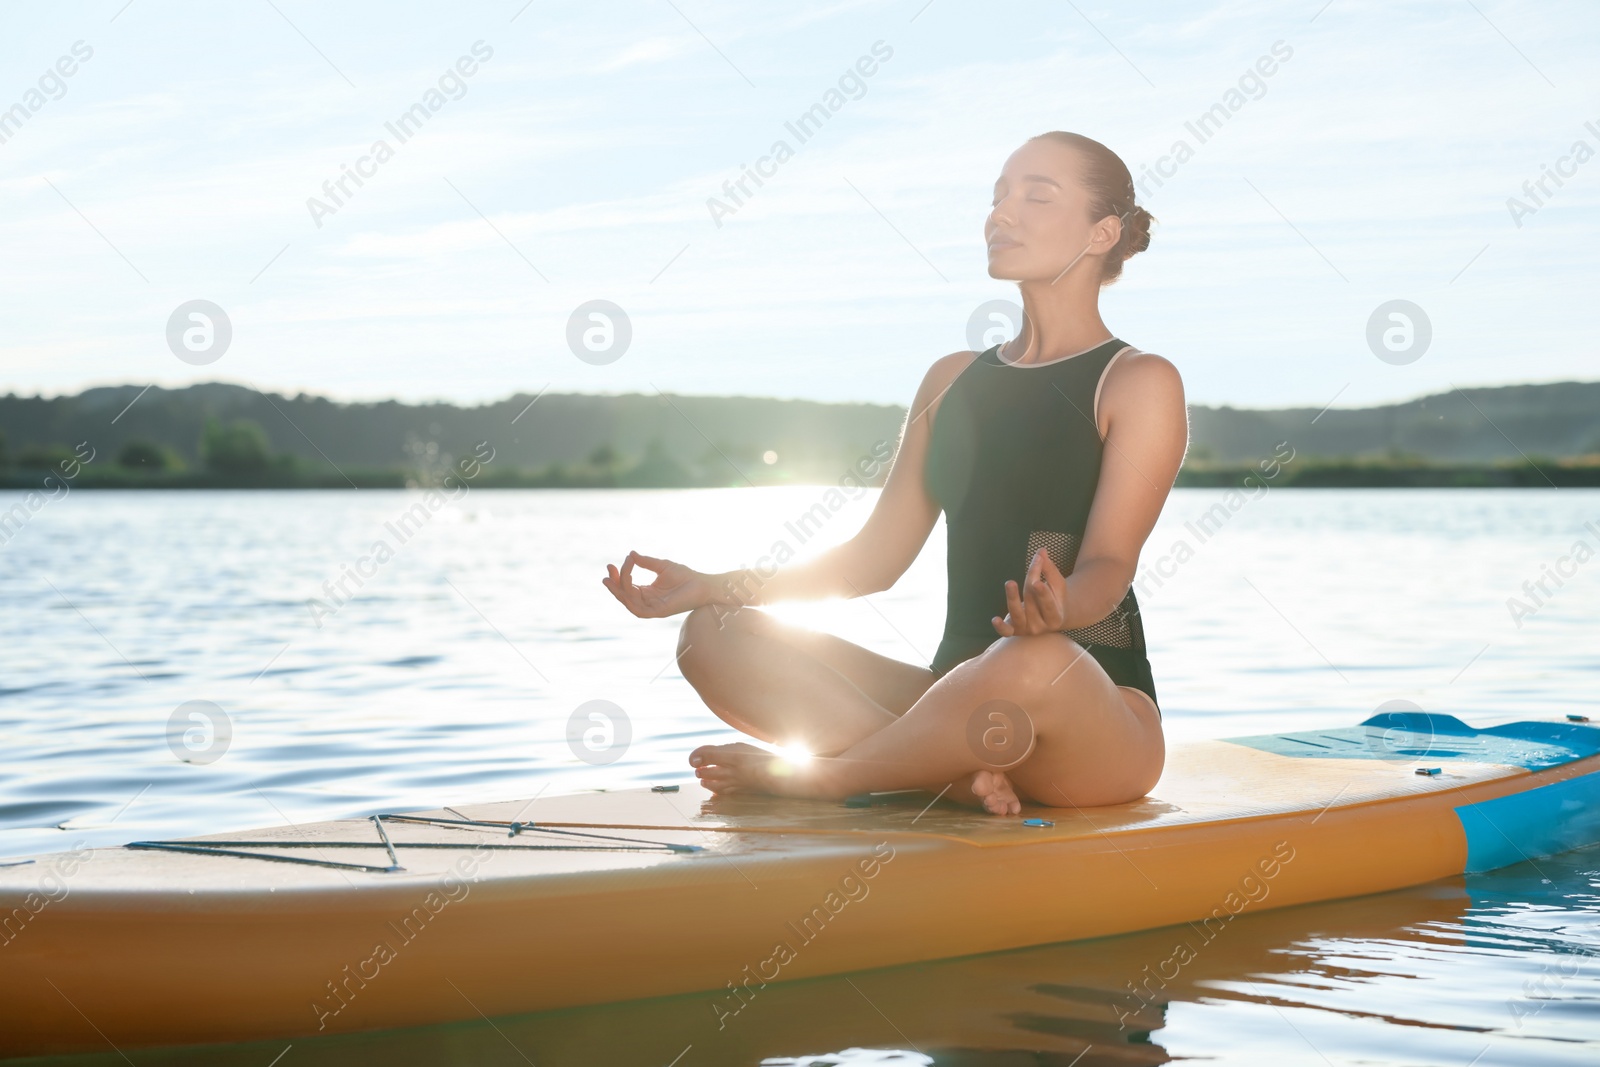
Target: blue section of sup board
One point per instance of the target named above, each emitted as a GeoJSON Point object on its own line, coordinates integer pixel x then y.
{"type": "Point", "coordinates": [1401, 737]}
{"type": "Point", "coordinates": [1537, 822]}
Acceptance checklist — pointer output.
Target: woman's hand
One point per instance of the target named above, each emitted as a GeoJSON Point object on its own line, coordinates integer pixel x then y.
{"type": "Point", "coordinates": [676, 588]}
{"type": "Point", "coordinates": [1041, 605]}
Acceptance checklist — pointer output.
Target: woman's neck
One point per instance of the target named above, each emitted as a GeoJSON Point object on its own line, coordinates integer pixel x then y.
{"type": "Point", "coordinates": [1055, 326]}
{"type": "Point", "coordinates": [1055, 338]}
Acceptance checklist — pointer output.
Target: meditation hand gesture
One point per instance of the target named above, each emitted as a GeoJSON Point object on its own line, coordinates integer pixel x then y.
{"type": "Point", "coordinates": [1041, 606]}
{"type": "Point", "coordinates": [676, 588]}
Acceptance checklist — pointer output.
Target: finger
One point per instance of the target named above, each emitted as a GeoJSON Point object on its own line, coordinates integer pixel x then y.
{"type": "Point", "coordinates": [1013, 601]}
{"type": "Point", "coordinates": [1050, 574]}
{"type": "Point", "coordinates": [634, 597]}
{"type": "Point", "coordinates": [1048, 569]}
{"type": "Point", "coordinates": [1027, 614]}
{"type": "Point", "coordinates": [1038, 623]}
{"type": "Point", "coordinates": [633, 610]}
{"type": "Point", "coordinates": [650, 603]}
{"type": "Point", "coordinates": [1047, 587]}
{"type": "Point", "coordinates": [1057, 582]}
{"type": "Point", "coordinates": [1046, 604]}
{"type": "Point", "coordinates": [661, 603]}
{"type": "Point", "coordinates": [1002, 627]}
{"type": "Point", "coordinates": [628, 599]}
{"type": "Point", "coordinates": [1034, 619]}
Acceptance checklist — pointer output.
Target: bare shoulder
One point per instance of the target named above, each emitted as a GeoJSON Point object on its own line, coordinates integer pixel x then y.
{"type": "Point", "coordinates": [1145, 370]}
{"type": "Point", "coordinates": [947, 369]}
{"type": "Point", "coordinates": [937, 381]}
{"type": "Point", "coordinates": [1141, 385]}
{"type": "Point", "coordinates": [1142, 376]}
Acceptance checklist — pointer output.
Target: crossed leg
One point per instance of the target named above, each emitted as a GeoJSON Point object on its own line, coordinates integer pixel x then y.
{"type": "Point", "coordinates": [877, 724]}
{"type": "Point", "coordinates": [790, 686]}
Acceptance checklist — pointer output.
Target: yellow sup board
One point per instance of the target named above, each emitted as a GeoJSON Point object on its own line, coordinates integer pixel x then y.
{"type": "Point", "coordinates": [492, 909]}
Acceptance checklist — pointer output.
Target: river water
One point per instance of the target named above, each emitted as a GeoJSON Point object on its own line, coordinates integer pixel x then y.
{"type": "Point", "coordinates": [175, 663]}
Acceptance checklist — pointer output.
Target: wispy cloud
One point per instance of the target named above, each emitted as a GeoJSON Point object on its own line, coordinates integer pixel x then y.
{"type": "Point", "coordinates": [593, 147]}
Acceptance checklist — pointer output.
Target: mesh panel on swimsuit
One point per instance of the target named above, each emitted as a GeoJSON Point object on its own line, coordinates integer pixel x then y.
{"type": "Point", "coordinates": [1113, 630]}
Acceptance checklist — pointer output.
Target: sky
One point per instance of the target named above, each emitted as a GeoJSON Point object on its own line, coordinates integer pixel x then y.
{"type": "Point", "coordinates": [572, 153]}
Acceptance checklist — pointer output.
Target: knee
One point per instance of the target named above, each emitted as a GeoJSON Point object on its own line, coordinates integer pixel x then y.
{"type": "Point", "coordinates": [1029, 665]}
{"type": "Point", "coordinates": [693, 633]}
{"type": "Point", "coordinates": [698, 638]}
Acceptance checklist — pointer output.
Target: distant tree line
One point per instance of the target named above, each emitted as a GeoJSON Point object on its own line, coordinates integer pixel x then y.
{"type": "Point", "coordinates": [226, 435]}
{"type": "Point", "coordinates": [238, 453]}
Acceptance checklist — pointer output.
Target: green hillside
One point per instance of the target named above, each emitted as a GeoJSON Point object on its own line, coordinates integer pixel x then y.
{"type": "Point", "coordinates": [218, 434]}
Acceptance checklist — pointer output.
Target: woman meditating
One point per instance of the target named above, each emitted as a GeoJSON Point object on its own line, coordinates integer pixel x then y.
{"type": "Point", "coordinates": [1051, 456]}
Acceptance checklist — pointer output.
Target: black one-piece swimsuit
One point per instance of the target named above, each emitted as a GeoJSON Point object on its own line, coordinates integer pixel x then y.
{"type": "Point", "coordinates": [1014, 461]}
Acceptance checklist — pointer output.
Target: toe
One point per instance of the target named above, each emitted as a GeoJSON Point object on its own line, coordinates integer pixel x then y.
{"type": "Point", "coordinates": [721, 753]}
{"type": "Point", "coordinates": [999, 797]}
{"type": "Point", "coordinates": [710, 754]}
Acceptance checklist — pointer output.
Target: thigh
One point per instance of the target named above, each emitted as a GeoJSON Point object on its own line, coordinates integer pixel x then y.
{"type": "Point", "coordinates": [1096, 742]}
{"type": "Point", "coordinates": [892, 684]}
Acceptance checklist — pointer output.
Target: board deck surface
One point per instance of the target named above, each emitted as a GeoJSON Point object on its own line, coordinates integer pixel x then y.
{"type": "Point", "coordinates": [357, 923]}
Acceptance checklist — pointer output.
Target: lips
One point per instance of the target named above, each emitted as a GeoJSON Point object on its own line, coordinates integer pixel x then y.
{"type": "Point", "coordinates": [1000, 243]}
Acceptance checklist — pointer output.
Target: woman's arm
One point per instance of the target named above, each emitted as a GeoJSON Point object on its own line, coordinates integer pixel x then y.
{"type": "Point", "coordinates": [885, 547]}
{"type": "Point", "coordinates": [869, 562]}
{"type": "Point", "coordinates": [1145, 421]}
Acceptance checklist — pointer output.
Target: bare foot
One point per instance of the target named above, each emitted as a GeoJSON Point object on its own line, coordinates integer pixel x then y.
{"type": "Point", "coordinates": [742, 768]}
{"type": "Point", "coordinates": [991, 790]}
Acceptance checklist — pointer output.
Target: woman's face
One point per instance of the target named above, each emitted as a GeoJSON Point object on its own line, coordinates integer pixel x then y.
{"type": "Point", "coordinates": [1040, 219]}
